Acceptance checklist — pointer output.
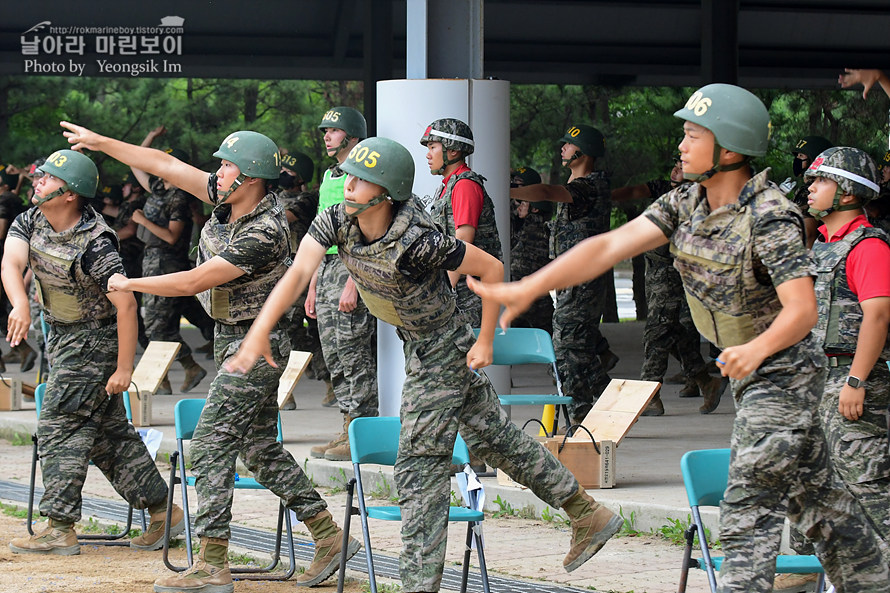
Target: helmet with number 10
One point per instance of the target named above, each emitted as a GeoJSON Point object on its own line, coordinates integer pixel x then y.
{"type": "Point", "coordinates": [384, 162]}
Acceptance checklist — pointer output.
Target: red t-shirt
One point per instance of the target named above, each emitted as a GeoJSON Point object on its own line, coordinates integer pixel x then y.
{"type": "Point", "coordinates": [466, 199]}
{"type": "Point", "coordinates": [868, 264]}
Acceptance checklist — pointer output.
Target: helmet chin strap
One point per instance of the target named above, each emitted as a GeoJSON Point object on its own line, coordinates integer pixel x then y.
{"type": "Point", "coordinates": [699, 177]}
{"type": "Point", "coordinates": [578, 154]}
{"type": "Point", "coordinates": [445, 163]}
{"type": "Point", "coordinates": [359, 208]}
{"type": "Point", "coordinates": [224, 194]}
{"type": "Point", "coordinates": [333, 152]}
{"type": "Point", "coordinates": [835, 206]}
{"type": "Point", "coordinates": [43, 200]}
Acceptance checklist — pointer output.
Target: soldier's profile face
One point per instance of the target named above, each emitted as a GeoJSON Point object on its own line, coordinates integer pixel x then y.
{"type": "Point", "coordinates": [434, 156]}
{"type": "Point", "coordinates": [696, 149]}
{"type": "Point", "coordinates": [226, 175]}
{"type": "Point", "coordinates": [822, 193]}
{"type": "Point", "coordinates": [45, 185]}
{"type": "Point", "coordinates": [360, 191]}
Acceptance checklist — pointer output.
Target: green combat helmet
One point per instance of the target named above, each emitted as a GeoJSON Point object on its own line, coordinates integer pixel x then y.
{"type": "Point", "coordinates": [524, 176]}
{"type": "Point", "coordinates": [738, 119]}
{"type": "Point", "coordinates": [347, 119]}
{"type": "Point", "coordinates": [77, 171]}
{"type": "Point", "coordinates": [384, 162]}
{"type": "Point", "coordinates": [854, 172]}
{"type": "Point", "coordinates": [811, 147]}
{"type": "Point", "coordinates": [300, 164]}
{"type": "Point", "coordinates": [588, 139]}
{"type": "Point", "coordinates": [454, 135]}
{"type": "Point", "coordinates": [253, 153]}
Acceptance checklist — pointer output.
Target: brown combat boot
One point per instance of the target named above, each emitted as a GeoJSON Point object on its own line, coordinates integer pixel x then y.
{"type": "Point", "coordinates": [341, 451]}
{"type": "Point", "coordinates": [57, 538]}
{"type": "Point", "coordinates": [209, 574]}
{"type": "Point", "coordinates": [165, 388]}
{"type": "Point", "coordinates": [592, 526]}
{"type": "Point", "coordinates": [690, 389]}
{"type": "Point", "coordinates": [712, 389]}
{"type": "Point", "coordinates": [794, 583]}
{"type": "Point", "coordinates": [194, 373]}
{"type": "Point", "coordinates": [330, 399]}
{"type": "Point", "coordinates": [153, 537]}
{"type": "Point", "coordinates": [318, 451]}
{"type": "Point", "coordinates": [655, 407]}
{"type": "Point", "coordinates": [328, 540]}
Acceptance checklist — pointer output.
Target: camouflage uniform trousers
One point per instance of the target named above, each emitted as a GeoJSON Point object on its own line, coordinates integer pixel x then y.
{"type": "Point", "coordinates": [577, 341]}
{"type": "Point", "coordinates": [348, 341]}
{"type": "Point", "coordinates": [669, 327]}
{"type": "Point", "coordinates": [162, 314]}
{"type": "Point", "coordinates": [468, 303]}
{"type": "Point", "coordinates": [304, 337]}
{"type": "Point", "coordinates": [440, 397]}
{"type": "Point", "coordinates": [241, 418]}
{"type": "Point", "coordinates": [860, 450]}
{"type": "Point", "coordinates": [780, 466]}
{"type": "Point", "coordinates": [80, 423]}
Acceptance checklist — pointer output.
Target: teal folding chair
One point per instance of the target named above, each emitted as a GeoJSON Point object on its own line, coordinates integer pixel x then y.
{"type": "Point", "coordinates": [376, 440]}
{"type": "Point", "coordinates": [523, 345]}
{"type": "Point", "coordinates": [705, 474]}
{"type": "Point", "coordinates": [120, 539]}
{"type": "Point", "coordinates": [185, 419]}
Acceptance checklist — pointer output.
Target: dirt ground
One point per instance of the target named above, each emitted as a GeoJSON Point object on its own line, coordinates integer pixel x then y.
{"type": "Point", "coordinates": [106, 569]}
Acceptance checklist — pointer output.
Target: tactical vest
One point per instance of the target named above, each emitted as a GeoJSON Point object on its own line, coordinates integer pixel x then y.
{"type": "Point", "coordinates": [569, 230]}
{"type": "Point", "coordinates": [330, 193]}
{"type": "Point", "coordinates": [242, 298]}
{"type": "Point", "coordinates": [729, 292]}
{"type": "Point", "coordinates": [840, 315]}
{"type": "Point", "coordinates": [486, 237]}
{"type": "Point", "coordinates": [422, 304]}
{"type": "Point", "coordinates": [67, 294]}
{"type": "Point", "coordinates": [156, 209]}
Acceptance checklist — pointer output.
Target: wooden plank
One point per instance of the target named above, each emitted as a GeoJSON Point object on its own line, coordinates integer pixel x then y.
{"type": "Point", "coordinates": [147, 376]}
{"type": "Point", "coordinates": [618, 408]}
{"type": "Point", "coordinates": [296, 366]}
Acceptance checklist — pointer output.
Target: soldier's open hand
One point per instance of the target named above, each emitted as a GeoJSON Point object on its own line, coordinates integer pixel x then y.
{"type": "Point", "coordinates": [251, 349]}
{"type": "Point", "coordinates": [511, 295]}
{"type": "Point", "coordinates": [80, 137]}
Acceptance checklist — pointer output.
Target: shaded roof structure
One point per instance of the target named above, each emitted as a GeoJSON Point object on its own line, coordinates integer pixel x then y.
{"type": "Point", "coordinates": [758, 43]}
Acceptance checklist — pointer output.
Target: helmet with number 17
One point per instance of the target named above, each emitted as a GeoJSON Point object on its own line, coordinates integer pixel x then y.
{"type": "Point", "coordinates": [738, 119]}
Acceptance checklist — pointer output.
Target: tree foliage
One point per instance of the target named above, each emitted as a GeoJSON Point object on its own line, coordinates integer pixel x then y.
{"type": "Point", "coordinates": [641, 132]}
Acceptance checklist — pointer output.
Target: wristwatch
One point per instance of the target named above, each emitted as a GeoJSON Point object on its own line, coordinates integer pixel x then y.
{"type": "Point", "coordinates": [854, 382]}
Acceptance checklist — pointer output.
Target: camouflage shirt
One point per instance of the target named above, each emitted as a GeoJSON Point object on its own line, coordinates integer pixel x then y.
{"type": "Point", "coordinates": [732, 259]}
{"type": "Point", "coordinates": [401, 276]}
{"type": "Point", "coordinates": [303, 206]}
{"type": "Point", "coordinates": [72, 266]}
{"type": "Point", "coordinates": [163, 206]}
{"type": "Point", "coordinates": [531, 252]}
{"type": "Point", "coordinates": [256, 243]}
{"type": "Point", "coordinates": [588, 214]}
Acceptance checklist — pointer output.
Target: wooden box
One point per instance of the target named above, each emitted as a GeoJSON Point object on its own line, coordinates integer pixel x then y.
{"type": "Point", "coordinates": [151, 370]}
{"type": "Point", "coordinates": [10, 394]}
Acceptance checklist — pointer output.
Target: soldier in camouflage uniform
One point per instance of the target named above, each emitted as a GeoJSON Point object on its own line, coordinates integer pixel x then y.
{"type": "Point", "coordinates": [462, 206]}
{"type": "Point", "coordinates": [165, 227]}
{"type": "Point", "coordinates": [583, 210]}
{"type": "Point", "coordinates": [347, 330]}
{"type": "Point", "coordinates": [738, 246]}
{"type": "Point", "coordinates": [300, 207]}
{"type": "Point", "coordinates": [669, 327]}
{"type": "Point", "coordinates": [806, 149]}
{"type": "Point", "coordinates": [244, 250]}
{"type": "Point", "coordinates": [397, 256]}
{"type": "Point", "coordinates": [529, 249]}
{"type": "Point", "coordinates": [91, 345]}
{"type": "Point", "coordinates": [853, 293]}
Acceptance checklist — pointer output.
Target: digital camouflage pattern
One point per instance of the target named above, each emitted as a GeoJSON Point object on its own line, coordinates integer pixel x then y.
{"type": "Point", "coordinates": [348, 341]}
{"type": "Point", "coordinates": [732, 259]}
{"type": "Point", "coordinates": [529, 254]}
{"type": "Point", "coordinates": [162, 314]}
{"type": "Point", "coordinates": [486, 239]}
{"type": "Point", "coordinates": [440, 394]}
{"type": "Point", "coordinates": [779, 464]}
{"type": "Point", "coordinates": [63, 288]}
{"type": "Point", "coordinates": [669, 327]}
{"type": "Point", "coordinates": [240, 419]}
{"type": "Point", "coordinates": [840, 315]}
{"type": "Point", "coordinates": [452, 133]}
{"type": "Point", "coordinates": [835, 162]}
{"type": "Point", "coordinates": [576, 316]}
{"type": "Point", "coordinates": [860, 449]}
{"type": "Point", "coordinates": [264, 230]}
{"type": "Point", "coordinates": [80, 423]}
{"type": "Point", "coordinates": [303, 332]}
